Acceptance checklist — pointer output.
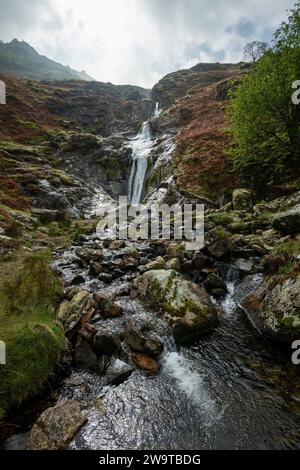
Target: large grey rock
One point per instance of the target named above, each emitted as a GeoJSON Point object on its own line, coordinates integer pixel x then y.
{"type": "Point", "coordinates": [288, 222]}
{"type": "Point", "coordinates": [56, 427]}
{"type": "Point", "coordinates": [185, 305]}
{"type": "Point", "coordinates": [117, 373]}
{"type": "Point", "coordinates": [275, 309]}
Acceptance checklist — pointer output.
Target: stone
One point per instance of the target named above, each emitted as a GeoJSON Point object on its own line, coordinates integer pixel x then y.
{"type": "Point", "coordinates": [158, 263]}
{"type": "Point", "coordinates": [107, 307]}
{"type": "Point", "coordinates": [105, 342]}
{"type": "Point", "coordinates": [56, 427]}
{"type": "Point", "coordinates": [139, 335]}
{"type": "Point", "coordinates": [215, 285]}
{"type": "Point", "coordinates": [95, 268]}
{"type": "Point", "coordinates": [175, 250]}
{"type": "Point", "coordinates": [117, 373]}
{"type": "Point", "coordinates": [145, 362]}
{"type": "Point", "coordinates": [288, 222]}
{"type": "Point", "coordinates": [242, 199]}
{"type": "Point", "coordinates": [185, 305]}
{"type": "Point", "coordinates": [77, 280]}
{"type": "Point", "coordinates": [218, 243]}
{"type": "Point", "coordinates": [106, 278]}
{"type": "Point", "coordinates": [174, 263]}
{"type": "Point", "coordinates": [275, 309]}
{"type": "Point", "coordinates": [85, 357]}
{"type": "Point", "coordinates": [200, 261]}
{"type": "Point", "coordinates": [117, 245]}
{"type": "Point", "coordinates": [88, 254]}
{"type": "Point", "coordinates": [71, 314]}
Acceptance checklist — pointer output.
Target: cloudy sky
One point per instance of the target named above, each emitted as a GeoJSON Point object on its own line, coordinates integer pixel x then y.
{"type": "Point", "coordinates": [139, 41]}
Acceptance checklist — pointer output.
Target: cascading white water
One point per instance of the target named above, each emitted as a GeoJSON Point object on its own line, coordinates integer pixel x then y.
{"type": "Point", "coordinates": [157, 111]}
{"type": "Point", "coordinates": [141, 147]}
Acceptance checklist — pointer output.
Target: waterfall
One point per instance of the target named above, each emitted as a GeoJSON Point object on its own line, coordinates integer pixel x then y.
{"type": "Point", "coordinates": [141, 148]}
{"type": "Point", "coordinates": [157, 111]}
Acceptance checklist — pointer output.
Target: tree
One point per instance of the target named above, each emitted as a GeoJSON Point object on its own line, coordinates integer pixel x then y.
{"type": "Point", "coordinates": [254, 51]}
{"type": "Point", "coordinates": [264, 122]}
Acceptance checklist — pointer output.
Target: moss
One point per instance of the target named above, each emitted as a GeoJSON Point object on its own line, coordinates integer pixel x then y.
{"type": "Point", "coordinates": [222, 218]}
{"type": "Point", "coordinates": [34, 339]}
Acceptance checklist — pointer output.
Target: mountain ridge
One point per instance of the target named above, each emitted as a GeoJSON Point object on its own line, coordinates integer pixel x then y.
{"type": "Point", "coordinates": [21, 60]}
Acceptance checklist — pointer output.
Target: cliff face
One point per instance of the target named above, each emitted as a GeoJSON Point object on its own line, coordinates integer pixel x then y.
{"type": "Point", "coordinates": [193, 103]}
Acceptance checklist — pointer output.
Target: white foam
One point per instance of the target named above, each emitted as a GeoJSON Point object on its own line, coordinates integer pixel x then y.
{"type": "Point", "coordinates": [190, 382]}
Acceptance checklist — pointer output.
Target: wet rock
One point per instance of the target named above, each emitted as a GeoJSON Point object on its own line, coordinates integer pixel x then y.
{"type": "Point", "coordinates": [77, 280]}
{"type": "Point", "coordinates": [105, 342]}
{"type": "Point", "coordinates": [88, 254]}
{"type": "Point", "coordinates": [130, 262]}
{"type": "Point", "coordinates": [215, 285]}
{"type": "Point", "coordinates": [139, 335]}
{"type": "Point", "coordinates": [174, 263]}
{"type": "Point", "coordinates": [158, 263]}
{"type": "Point", "coordinates": [242, 199]}
{"type": "Point", "coordinates": [275, 309]}
{"type": "Point", "coordinates": [185, 305]}
{"type": "Point", "coordinates": [106, 278]}
{"type": "Point", "coordinates": [288, 222]}
{"type": "Point", "coordinates": [95, 268]}
{"type": "Point", "coordinates": [200, 261]}
{"type": "Point", "coordinates": [145, 362]}
{"type": "Point", "coordinates": [187, 266]}
{"type": "Point", "coordinates": [107, 307]}
{"type": "Point", "coordinates": [85, 357]}
{"type": "Point", "coordinates": [218, 243]}
{"type": "Point", "coordinates": [56, 427]}
{"type": "Point", "coordinates": [246, 266]}
{"type": "Point", "coordinates": [117, 245]}
{"type": "Point", "coordinates": [71, 314]}
{"type": "Point", "coordinates": [117, 373]}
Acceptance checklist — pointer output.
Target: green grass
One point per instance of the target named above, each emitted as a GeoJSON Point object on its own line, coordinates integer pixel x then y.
{"type": "Point", "coordinates": [34, 340]}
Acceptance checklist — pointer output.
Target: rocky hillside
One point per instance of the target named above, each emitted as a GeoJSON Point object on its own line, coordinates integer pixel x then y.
{"type": "Point", "coordinates": [19, 59]}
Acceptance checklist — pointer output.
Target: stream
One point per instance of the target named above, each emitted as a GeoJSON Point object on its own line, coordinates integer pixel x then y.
{"type": "Point", "coordinates": [231, 389]}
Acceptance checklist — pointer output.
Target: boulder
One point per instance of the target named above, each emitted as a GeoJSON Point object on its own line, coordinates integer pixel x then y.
{"type": "Point", "coordinates": [174, 263]}
{"type": "Point", "coordinates": [242, 199]}
{"type": "Point", "coordinates": [175, 250]}
{"type": "Point", "coordinates": [288, 222]}
{"type": "Point", "coordinates": [117, 245]}
{"type": "Point", "coordinates": [275, 309]}
{"type": "Point", "coordinates": [145, 362]}
{"type": "Point", "coordinates": [218, 243]}
{"type": "Point", "coordinates": [215, 285]}
{"type": "Point", "coordinates": [85, 357]}
{"type": "Point", "coordinates": [117, 373]}
{"type": "Point", "coordinates": [185, 305]}
{"type": "Point", "coordinates": [107, 307]}
{"type": "Point", "coordinates": [56, 427]}
{"type": "Point", "coordinates": [105, 342]}
{"type": "Point", "coordinates": [158, 263]}
{"type": "Point", "coordinates": [139, 335]}
{"type": "Point", "coordinates": [88, 254]}
{"type": "Point", "coordinates": [71, 313]}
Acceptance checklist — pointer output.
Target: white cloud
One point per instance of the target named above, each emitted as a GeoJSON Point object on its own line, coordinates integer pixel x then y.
{"type": "Point", "coordinates": [138, 41]}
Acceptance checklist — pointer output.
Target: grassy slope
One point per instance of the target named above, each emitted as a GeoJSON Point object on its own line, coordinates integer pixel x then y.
{"type": "Point", "coordinates": [34, 340]}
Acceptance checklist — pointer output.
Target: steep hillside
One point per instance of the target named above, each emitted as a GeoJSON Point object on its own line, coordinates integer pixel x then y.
{"type": "Point", "coordinates": [19, 59]}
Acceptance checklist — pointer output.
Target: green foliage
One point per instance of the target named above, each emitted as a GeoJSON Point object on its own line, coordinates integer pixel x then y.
{"type": "Point", "coordinates": [264, 123]}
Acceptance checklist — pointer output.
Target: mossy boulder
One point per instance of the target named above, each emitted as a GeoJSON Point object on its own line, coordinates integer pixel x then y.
{"type": "Point", "coordinates": [242, 199]}
{"type": "Point", "coordinates": [275, 309]}
{"type": "Point", "coordinates": [218, 242]}
{"type": "Point", "coordinates": [185, 305]}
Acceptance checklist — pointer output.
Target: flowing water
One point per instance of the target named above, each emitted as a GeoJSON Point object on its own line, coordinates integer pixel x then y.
{"type": "Point", "coordinates": [229, 390]}
{"type": "Point", "coordinates": [141, 148]}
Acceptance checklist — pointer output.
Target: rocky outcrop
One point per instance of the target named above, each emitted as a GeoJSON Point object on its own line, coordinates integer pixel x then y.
{"type": "Point", "coordinates": [288, 222]}
{"type": "Point", "coordinates": [183, 304]}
